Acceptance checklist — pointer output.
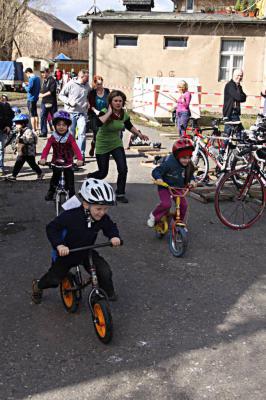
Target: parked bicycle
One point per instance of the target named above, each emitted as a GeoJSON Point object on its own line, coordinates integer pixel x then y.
{"type": "Point", "coordinates": [220, 149]}
{"type": "Point", "coordinates": [172, 223]}
{"type": "Point", "coordinates": [241, 194]}
{"type": "Point", "coordinates": [71, 294]}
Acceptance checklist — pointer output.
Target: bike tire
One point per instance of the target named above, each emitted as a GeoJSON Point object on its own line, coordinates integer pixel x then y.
{"type": "Point", "coordinates": [102, 320]}
{"type": "Point", "coordinates": [246, 200]}
{"type": "Point", "coordinates": [71, 300]}
{"type": "Point", "coordinates": [60, 199]}
{"type": "Point", "coordinates": [200, 161]}
{"type": "Point", "coordinates": [178, 240]}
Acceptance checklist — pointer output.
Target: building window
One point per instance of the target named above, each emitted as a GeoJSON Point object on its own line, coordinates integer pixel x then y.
{"type": "Point", "coordinates": [190, 6]}
{"type": "Point", "coordinates": [232, 53]}
{"type": "Point", "coordinates": [174, 42]}
{"type": "Point", "coordinates": [128, 41]}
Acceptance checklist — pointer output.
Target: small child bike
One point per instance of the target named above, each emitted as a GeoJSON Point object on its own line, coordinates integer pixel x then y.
{"type": "Point", "coordinates": [71, 294]}
{"type": "Point", "coordinates": [178, 233]}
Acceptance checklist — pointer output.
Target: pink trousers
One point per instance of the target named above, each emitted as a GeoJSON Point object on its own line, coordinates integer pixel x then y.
{"type": "Point", "coordinates": [165, 205]}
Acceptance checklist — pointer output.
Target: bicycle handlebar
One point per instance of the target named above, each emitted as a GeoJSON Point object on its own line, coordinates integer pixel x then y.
{"type": "Point", "coordinates": [185, 189]}
{"type": "Point", "coordinates": [94, 246]}
{"type": "Point", "coordinates": [50, 165]}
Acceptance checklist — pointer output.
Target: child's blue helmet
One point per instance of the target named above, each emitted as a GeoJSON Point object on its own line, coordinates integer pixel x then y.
{"type": "Point", "coordinates": [21, 118]}
{"type": "Point", "coordinates": [16, 110]}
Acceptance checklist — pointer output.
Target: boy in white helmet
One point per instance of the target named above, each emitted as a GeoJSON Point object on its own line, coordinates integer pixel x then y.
{"type": "Point", "coordinates": [79, 227]}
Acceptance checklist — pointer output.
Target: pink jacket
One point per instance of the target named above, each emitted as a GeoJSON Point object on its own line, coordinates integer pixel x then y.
{"type": "Point", "coordinates": [62, 150]}
{"type": "Point", "coordinates": [183, 102]}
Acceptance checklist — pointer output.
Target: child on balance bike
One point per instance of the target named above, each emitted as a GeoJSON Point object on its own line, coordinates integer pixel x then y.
{"type": "Point", "coordinates": [64, 146]}
{"type": "Point", "coordinates": [78, 227]}
{"type": "Point", "coordinates": [177, 171]}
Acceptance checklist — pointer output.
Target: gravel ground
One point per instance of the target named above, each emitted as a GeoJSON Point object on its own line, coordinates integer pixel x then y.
{"type": "Point", "coordinates": [184, 329]}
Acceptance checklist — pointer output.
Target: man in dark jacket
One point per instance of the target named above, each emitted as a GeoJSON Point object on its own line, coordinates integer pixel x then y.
{"type": "Point", "coordinates": [49, 101]}
{"type": "Point", "coordinates": [233, 96]}
{"type": "Point", "coordinates": [6, 116]}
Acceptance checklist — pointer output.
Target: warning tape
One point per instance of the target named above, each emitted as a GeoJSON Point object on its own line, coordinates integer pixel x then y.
{"type": "Point", "coordinates": [150, 103]}
{"type": "Point", "coordinates": [144, 91]}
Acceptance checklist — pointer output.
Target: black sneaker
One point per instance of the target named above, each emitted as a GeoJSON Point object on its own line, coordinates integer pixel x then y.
{"type": "Point", "coordinates": [113, 297]}
{"type": "Point", "coordinates": [91, 152]}
{"type": "Point", "coordinates": [49, 196]}
{"type": "Point", "coordinates": [36, 292]}
{"type": "Point", "coordinates": [122, 199]}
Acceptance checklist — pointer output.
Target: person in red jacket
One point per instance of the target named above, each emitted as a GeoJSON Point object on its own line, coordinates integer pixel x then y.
{"type": "Point", "coordinates": [64, 147]}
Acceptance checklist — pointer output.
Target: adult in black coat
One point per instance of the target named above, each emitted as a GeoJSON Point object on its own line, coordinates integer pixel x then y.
{"type": "Point", "coordinates": [233, 96]}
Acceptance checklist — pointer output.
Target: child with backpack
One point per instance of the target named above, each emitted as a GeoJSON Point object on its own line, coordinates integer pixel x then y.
{"type": "Point", "coordinates": [177, 171]}
{"type": "Point", "coordinates": [26, 147]}
{"type": "Point", "coordinates": [64, 147]}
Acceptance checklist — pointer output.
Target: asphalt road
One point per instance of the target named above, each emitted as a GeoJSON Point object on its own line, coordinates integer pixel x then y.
{"type": "Point", "coordinates": [184, 329]}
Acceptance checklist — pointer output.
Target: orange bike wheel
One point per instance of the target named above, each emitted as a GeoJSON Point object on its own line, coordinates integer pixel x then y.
{"type": "Point", "coordinates": [69, 299]}
{"type": "Point", "coordinates": [102, 321]}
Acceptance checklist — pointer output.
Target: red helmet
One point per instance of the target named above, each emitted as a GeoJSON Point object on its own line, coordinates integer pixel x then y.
{"type": "Point", "coordinates": [183, 147]}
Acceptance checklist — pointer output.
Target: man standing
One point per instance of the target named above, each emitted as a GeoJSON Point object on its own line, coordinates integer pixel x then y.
{"type": "Point", "coordinates": [6, 116]}
{"type": "Point", "coordinates": [33, 90]}
{"type": "Point", "coordinates": [49, 101]}
{"type": "Point", "coordinates": [74, 95]}
{"type": "Point", "coordinates": [233, 96]}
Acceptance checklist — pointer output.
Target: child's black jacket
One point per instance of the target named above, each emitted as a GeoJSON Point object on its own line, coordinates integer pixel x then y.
{"type": "Point", "coordinates": [71, 229]}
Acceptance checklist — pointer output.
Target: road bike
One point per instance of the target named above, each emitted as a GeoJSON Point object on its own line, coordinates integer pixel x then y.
{"type": "Point", "coordinates": [241, 193]}
{"type": "Point", "coordinates": [220, 149]}
{"type": "Point", "coordinates": [172, 223]}
{"type": "Point", "coordinates": [71, 289]}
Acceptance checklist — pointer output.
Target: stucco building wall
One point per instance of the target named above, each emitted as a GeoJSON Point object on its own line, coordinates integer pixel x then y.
{"type": "Point", "coordinates": [201, 58]}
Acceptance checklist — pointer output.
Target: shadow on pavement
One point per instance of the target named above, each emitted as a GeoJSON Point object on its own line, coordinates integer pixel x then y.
{"type": "Point", "coordinates": [167, 306]}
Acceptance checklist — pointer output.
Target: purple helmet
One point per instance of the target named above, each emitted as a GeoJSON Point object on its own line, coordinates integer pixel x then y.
{"type": "Point", "coordinates": [62, 116]}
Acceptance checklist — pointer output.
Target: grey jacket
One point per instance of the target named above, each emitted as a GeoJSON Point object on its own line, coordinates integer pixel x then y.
{"type": "Point", "coordinates": [26, 142]}
{"type": "Point", "coordinates": [74, 95]}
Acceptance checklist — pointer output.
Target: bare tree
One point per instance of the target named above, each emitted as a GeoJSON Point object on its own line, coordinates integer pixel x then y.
{"type": "Point", "coordinates": [13, 16]}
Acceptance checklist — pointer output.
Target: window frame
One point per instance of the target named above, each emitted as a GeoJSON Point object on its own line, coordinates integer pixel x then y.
{"type": "Point", "coordinates": [125, 45]}
{"type": "Point", "coordinates": [231, 54]}
{"type": "Point", "coordinates": [165, 38]}
{"type": "Point", "coordinates": [190, 10]}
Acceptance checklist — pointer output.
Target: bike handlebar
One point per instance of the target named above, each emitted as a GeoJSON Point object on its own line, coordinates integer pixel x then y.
{"type": "Point", "coordinates": [185, 189]}
{"type": "Point", "coordinates": [94, 246]}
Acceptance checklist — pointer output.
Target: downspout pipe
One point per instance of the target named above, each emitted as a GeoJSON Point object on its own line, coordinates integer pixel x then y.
{"type": "Point", "coordinates": [91, 52]}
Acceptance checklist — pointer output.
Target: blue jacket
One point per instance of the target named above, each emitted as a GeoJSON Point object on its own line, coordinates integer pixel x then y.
{"type": "Point", "coordinates": [71, 229]}
{"type": "Point", "coordinates": [172, 172]}
{"type": "Point", "coordinates": [33, 88]}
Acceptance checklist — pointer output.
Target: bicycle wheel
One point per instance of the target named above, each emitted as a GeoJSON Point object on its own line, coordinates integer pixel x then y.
{"type": "Point", "coordinates": [71, 299]}
{"type": "Point", "coordinates": [161, 227]}
{"type": "Point", "coordinates": [178, 240]}
{"type": "Point", "coordinates": [240, 206]}
{"type": "Point", "coordinates": [60, 199]}
{"type": "Point", "coordinates": [239, 162]}
{"type": "Point", "coordinates": [201, 162]}
{"type": "Point", "coordinates": [102, 320]}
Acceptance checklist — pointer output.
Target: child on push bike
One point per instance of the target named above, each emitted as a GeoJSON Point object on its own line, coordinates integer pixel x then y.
{"type": "Point", "coordinates": [79, 227]}
{"type": "Point", "coordinates": [64, 146]}
{"type": "Point", "coordinates": [177, 171]}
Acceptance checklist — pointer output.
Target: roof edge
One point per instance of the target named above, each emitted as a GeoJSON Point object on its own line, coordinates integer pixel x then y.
{"type": "Point", "coordinates": [128, 16]}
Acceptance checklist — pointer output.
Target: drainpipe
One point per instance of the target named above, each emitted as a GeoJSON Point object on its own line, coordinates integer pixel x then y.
{"type": "Point", "coordinates": [91, 52]}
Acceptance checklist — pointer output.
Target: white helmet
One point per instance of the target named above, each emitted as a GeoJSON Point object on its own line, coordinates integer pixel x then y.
{"type": "Point", "coordinates": [95, 191]}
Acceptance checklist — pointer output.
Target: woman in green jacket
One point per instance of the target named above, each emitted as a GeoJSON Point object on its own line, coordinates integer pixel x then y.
{"type": "Point", "coordinates": [109, 142]}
